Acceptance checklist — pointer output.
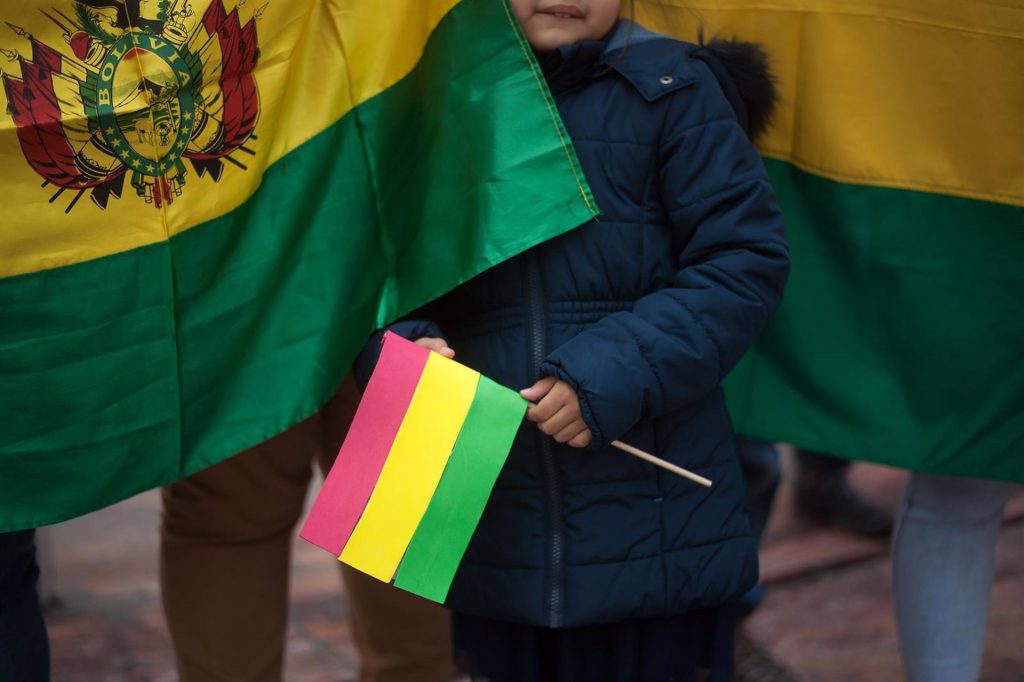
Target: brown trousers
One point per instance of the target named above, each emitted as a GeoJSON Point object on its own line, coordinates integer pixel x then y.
{"type": "Point", "coordinates": [226, 542]}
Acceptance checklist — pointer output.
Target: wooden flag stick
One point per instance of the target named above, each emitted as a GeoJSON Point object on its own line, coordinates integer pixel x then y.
{"type": "Point", "coordinates": [657, 461]}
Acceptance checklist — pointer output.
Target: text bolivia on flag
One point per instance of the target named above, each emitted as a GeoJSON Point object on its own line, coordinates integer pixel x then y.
{"type": "Point", "coordinates": [211, 204]}
{"type": "Point", "coordinates": [411, 480]}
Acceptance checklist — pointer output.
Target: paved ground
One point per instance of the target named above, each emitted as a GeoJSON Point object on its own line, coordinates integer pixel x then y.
{"type": "Point", "coordinates": [828, 615]}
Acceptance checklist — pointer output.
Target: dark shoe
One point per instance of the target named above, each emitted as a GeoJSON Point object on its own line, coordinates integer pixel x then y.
{"type": "Point", "coordinates": [830, 501]}
{"type": "Point", "coordinates": [754, 664]}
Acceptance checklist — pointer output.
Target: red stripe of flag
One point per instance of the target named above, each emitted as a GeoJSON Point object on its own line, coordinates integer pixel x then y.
{"type": "Point", "coordinates": [349, 485]}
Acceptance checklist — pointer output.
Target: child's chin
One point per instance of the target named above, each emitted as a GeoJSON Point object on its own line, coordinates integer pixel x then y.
{"type": "Point", "coordinates": [552, 38]}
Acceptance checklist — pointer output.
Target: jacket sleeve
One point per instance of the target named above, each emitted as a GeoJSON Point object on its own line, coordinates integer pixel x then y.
{"type": "Point", "coordinates": [677, 344]}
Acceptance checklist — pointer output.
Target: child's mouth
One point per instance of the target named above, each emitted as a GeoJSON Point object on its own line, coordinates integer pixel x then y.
{"type": "Point", "coordinates": [562, 12]}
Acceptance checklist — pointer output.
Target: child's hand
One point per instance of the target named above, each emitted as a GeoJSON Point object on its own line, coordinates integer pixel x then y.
{"type": "Point", "coordinates": [557, 412]}
{"type": "Point", "coordinates": [436, 345]}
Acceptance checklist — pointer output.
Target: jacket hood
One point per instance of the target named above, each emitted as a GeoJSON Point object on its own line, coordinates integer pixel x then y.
{"type": "Point", "coordinates": [743, 72]}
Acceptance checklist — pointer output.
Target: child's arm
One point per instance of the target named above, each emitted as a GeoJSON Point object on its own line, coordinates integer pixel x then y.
{"type": "Point", "coordinates": [677, 344]}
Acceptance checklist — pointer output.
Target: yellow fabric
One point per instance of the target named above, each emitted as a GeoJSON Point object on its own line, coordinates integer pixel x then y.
{"type": "Point", "coordinates": [318, 59]}
{"type": "Point", "coordinates": [895, 93]}
{"type": "Point", "coordinates": [413, 468]}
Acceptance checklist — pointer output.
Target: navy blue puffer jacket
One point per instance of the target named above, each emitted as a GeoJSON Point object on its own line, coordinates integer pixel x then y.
{"type": "Point", "coordinates": [643, 312]}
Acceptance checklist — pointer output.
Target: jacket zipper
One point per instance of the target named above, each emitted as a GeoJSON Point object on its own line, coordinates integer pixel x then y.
{"type": "Point", "coordinates": [553, 492]}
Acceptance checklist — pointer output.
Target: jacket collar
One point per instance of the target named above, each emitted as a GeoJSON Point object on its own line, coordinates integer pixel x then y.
{"type": "Point", "coordinates": [655, 64]}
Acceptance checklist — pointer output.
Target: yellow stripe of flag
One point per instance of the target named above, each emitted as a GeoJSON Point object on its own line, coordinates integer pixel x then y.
{"type": "Point", "coordinates": [912, 95]}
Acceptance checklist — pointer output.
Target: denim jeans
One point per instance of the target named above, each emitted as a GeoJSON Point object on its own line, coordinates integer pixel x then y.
{"type": "Point", "coordinates": [24, 649]}
{"type": "Point", "coordinates": [943, 560]}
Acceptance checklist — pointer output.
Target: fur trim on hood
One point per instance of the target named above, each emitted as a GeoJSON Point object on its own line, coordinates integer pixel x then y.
{"type": "Point", "coordinates": [742, 70]}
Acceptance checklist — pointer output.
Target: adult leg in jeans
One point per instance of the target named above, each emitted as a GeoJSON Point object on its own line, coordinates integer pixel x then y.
{"type": "Point", "coordinates": [400, 637]}
{"type": "Point", "coordinates": [943, 560]}
{"type": "Point", "coordinates": [24, 648]}
{"type": "Point", "coordinates": [225, 557]}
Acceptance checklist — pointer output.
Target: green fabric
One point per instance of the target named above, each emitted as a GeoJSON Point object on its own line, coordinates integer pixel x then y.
{"type": "Point", "coordinates": [900, 336]}
{"type": "Point", "coordinates": [444, 532]}
{"type": "Point", "coordinates": [134, 370]}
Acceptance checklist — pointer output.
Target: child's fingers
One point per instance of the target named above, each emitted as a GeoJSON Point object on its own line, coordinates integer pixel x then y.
{"type": "Point", "coordinates": [551, 404]}
{"type": "Point", "coordinates": [560, 420]}
{"type": "Point", "coordinates": [437, 345]}
{"type": "Point", "coordinates": [571, 431]}
{"type": "Point", "coordinates": [430, 342]}
{"type": "Point", "coordinates": [547, 408]}
{"type": "Point", "coordinates": [540, 389]}
{"type": "Point", "coordinates": [582, 440]}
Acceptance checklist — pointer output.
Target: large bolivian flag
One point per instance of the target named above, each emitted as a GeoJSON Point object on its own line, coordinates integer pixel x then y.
{"type": "Point", "coordinates": [208, 204]}
{"type": "Point", "coordinates": [898, 157]}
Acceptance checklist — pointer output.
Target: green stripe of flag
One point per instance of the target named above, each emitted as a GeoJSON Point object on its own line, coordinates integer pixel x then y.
{"type": "Point", "coordinates": [446, 528]}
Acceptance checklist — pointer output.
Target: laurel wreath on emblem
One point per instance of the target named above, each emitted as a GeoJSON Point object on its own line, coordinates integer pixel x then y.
{"type": "Point", "coordinates": [140, 87]}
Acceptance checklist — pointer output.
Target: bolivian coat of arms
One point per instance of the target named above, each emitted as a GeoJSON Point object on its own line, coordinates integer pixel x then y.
{"type": "Point", "coordinates": [138, 89]}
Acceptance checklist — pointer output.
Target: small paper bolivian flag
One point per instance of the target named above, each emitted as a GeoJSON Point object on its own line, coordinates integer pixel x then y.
{"type": "Point", "coordinates": [411, 479]}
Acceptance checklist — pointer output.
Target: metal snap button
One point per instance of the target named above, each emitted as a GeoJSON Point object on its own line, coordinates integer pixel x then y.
{"type": "Point", "coordinates": [666, 80]}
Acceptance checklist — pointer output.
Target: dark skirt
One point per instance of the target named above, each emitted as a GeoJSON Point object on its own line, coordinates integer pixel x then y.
{"type": "Point", "coordinates": [695, 647]}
